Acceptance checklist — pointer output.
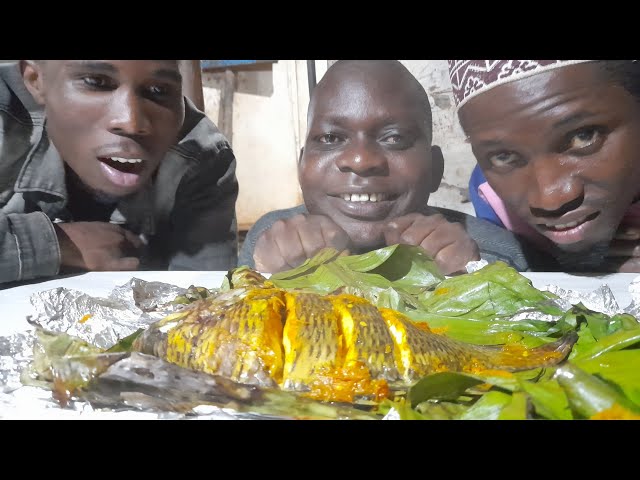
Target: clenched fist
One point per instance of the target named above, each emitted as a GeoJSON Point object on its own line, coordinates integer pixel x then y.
{"type": "Point", "coordinates": [446, 242]}
{"type": "Point", "coordinates": [289, 242]}
{"type": "Point", "coordinates": [97, 246]}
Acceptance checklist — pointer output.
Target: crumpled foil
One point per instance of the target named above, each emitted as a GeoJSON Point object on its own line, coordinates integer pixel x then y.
{"type": "Point", "coordinates": [600, 300]}
{"type": "Point", "coordinates": [104, 321]}
{"type": "Point", "coordinates": [475, 265]}
{"type": "Point", "coordinates": [100, 321]}
{"type": "Point", "coordinates": [634, 307]}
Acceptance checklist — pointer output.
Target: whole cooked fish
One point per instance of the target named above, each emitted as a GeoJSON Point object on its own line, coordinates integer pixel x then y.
{"type": "Point", "coordinates": [331, 347]}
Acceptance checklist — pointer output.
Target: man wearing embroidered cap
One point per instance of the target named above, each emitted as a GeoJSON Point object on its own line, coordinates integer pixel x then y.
{"type": "Point", "coordinates": [558, 150]}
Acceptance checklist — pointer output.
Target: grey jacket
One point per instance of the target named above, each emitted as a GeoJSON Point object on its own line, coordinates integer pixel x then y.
{"type": "Point", "coordinates": [187, 214]}
{"type": "Point", "coordinates": [495, 243]}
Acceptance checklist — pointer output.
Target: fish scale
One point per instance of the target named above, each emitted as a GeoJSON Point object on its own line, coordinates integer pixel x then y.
{"type": "Point", "coordinates": [331, 347]}
{"type": "Point", "coordinates": [370, 341]}
{"type": "Point", "coordinates": [310, 338]}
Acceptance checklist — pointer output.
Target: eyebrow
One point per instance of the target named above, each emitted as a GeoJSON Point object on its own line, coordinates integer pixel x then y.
{"type": "Point", "coordinates": [576, 118]}
{"type": "Point", "coordinates": [487, 143]}
{"type": "Point", "coordinates": [168, 74]}
{"type": "Point", "coordinates": [563, 123]}
{"type": "Point", "coordinates": [93, 65]}
{"type": "Point", "coordinates": [106, 67]}
{"type": "Point", "coordinates": [343, 121]}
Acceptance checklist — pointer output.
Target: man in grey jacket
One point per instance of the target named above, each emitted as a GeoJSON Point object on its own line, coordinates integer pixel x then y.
{"type": "Point", "coordinates": [105, 165]}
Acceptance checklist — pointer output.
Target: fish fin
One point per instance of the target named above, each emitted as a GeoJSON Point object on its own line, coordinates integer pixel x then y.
{"type": "Point", "coordinates": [517, 357]}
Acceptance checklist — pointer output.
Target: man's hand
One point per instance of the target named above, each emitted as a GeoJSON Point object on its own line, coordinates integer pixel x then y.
{"type": "Point", "coordinates": [289, 242]}
{"type": "Point", "coordinates": [97, 246]}
{"type": "Point", "coordinates": [624, 251]}
{"type": "Point", "coordinates": [446, 242]}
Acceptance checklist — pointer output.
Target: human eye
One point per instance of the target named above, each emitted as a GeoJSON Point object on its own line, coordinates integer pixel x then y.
{"type": "Point", "coordinates": [585, 140]}
{"type": "Point", "coordinates": [329, 139]}
{"type": "Point", "coordinates": [158, 90]}
{"type": "Point", "coordinates": [393, 138]}
{"type": "Point", "coordinates": [397, 139]}
{"type": "Point", "coordinates": [97, 82]}
{"type": "Point", "coordinates": [161, 93]}
{"type": "Point", "coordinates": [503, 159]}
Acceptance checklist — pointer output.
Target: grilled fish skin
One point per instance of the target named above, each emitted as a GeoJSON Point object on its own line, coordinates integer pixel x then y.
{"type": "Point", "coordinates": [329, 347]}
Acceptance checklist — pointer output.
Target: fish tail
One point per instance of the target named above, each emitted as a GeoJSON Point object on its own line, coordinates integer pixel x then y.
{"type": "Point", "coordinates": [516, 357]}
{"type": "Point", "coordinates": [419, 351]}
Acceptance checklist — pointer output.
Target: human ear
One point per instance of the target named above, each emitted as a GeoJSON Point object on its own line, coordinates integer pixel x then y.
{"type": "Point", "coordinates": [32, 77]}
{"type": "Point", "coordinates": [300, 164]}
{"type": "Point", "coordinates": [437, 168]}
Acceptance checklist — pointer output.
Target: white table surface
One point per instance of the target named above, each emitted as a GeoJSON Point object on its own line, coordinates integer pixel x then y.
{"type": "Point", "coordinates": [15, 305]}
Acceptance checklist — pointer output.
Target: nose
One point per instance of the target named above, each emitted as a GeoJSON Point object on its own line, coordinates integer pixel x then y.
{"type": "Point", "coordinates": [554, 189]}
{"type": "Point", "coordinates": [128, 115]}
{"type": "Point", "coordinates": [363, 157]}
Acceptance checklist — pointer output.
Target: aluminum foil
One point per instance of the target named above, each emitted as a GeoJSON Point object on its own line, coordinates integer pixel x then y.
{"type": "Point", "coordinates": [476, 265]}
{"type": "Point", "coordinates": [599, 300]}
{"type": "Point", "coordinates": [136, 385]}
{"type": "Point", "coordinates": [100, 321]}
{"type": "Point", "coordinates": [634, 306]}
{"type": "Point", "coordinates": [103, 321]}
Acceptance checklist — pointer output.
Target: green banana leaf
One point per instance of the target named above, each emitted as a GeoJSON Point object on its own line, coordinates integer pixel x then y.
{"type": "Point", "coordinates": [489, 331]}
{"type": "Point", "coordinates": [406, 269]}
{"type": "Point", "coordinates": [615, 341]}
{"type": "Point", "coordinates": [440, 386]}
{"type": "Point", "coordinates": [488, 407]}
{"type": "Point", "coordinates": [516, 409]}
{"type": "Point", "coordinates": [617, 367]}
{"type": "Point", "coordinates": [549, 399]}
{"type": "Point", "coordinates": [494, 290]}
{"type": "Point", "coordinates": [589, 395]}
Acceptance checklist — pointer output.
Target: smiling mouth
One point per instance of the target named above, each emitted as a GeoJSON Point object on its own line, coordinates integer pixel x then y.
{"type": "Point", "coordinates": [366, 197]}
{"type": "Point", "coordinates": [124, 165]}
{"type": "Point", "coordinates": [563, 227]}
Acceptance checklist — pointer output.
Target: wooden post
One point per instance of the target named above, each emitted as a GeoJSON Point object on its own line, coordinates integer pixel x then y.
{"type": "Point", "coordinates": [192, 82]}
{"type": "Point", "coordinates": [225, 115]}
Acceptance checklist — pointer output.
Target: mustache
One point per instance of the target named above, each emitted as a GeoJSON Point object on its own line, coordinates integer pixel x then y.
{"type": "Point", "coordinates": [122, 146]}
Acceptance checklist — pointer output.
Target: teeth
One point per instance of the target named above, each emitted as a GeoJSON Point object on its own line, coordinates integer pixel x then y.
{"type": "Point", "coordinates": [564, 226]}
{"type": "Point", "coordinates": [363, 197]}
{"type": "Point", "coordinates": [126, 160]}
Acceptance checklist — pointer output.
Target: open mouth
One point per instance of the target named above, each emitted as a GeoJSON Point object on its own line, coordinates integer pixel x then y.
{"type": "Point", "coordinates": [122, 172]}
{"type": "Point", "coordinates": [124, 165]}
